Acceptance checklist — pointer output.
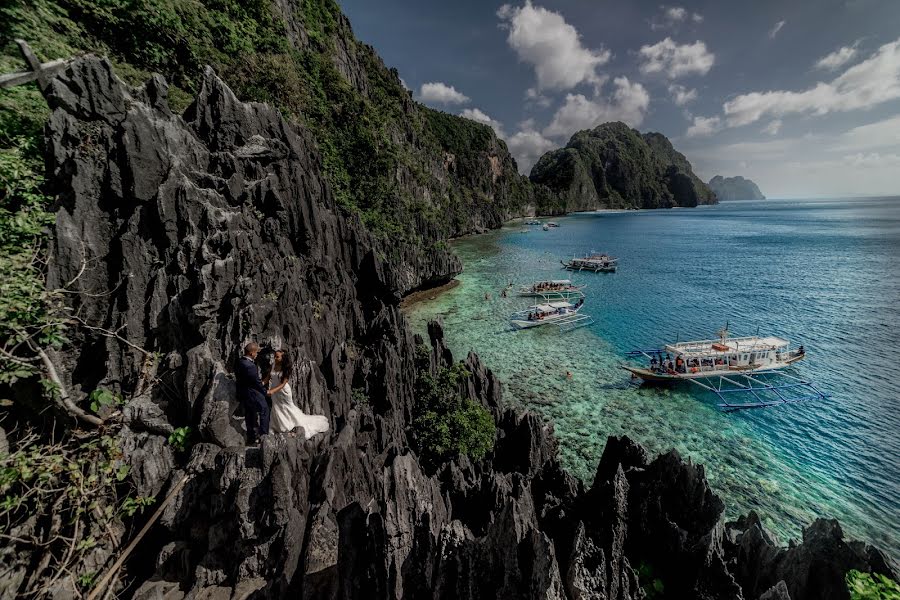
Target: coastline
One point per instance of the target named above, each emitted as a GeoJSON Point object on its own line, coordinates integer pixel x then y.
{"type": "Point", "coordinates": [774, 477]}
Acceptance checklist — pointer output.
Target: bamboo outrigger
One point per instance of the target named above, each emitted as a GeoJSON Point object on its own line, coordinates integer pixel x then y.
{"type": "Point", "coordinates": [731, 368]}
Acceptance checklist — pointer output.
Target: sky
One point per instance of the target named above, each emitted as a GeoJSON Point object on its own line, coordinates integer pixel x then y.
{"type": "Point", "coordinates": [802, 96]}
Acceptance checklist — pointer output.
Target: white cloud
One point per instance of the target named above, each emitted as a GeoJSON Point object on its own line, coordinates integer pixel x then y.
{"type": "Point", "coordinates": [672, 16]}
{"type": "Point", "coordinates": [773, 127]}
{"type": "Point", "coordinates": [676, 60]}
{"type": "Point", "coordinates": [676, 13]}
{"type": "Point", "coordinates": [879, 134]}
{"type": "Point", "coordinates": [477, 115]}
{"type": "Point", "coordinates": [873, 160]}
{"type": "Point", "coordinates": [534, 96]}
{"type": "Point", "coordinates": [441, 93]}
{"type": "Point", "coordinates": [837, 59]}
{"type": "Point", "coordinates": [628, 103]}
{"type": "Point", "coordinates": [867, 84]}
{"type": "Point", "coordinates": [527, 146]}
{"type": "Point", "coordinates": [776, 28]}
{"type": "Point", "coordinates": [543, 39]}
{"type": "Point", "coordinates": [681, 95]}
{"type": "Point", "coordinates": [704, 126]}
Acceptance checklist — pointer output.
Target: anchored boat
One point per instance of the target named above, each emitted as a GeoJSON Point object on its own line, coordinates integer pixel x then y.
{"type": "Point", "coordinates": [555, 288]}
{"type": "Point", "coordinates": [565, 314]}
{"type": "Point", "coordinates": [533, 222]}
{"type": "Point", "coordinates": [734, 369]}
{"type": "Point", "coordinates": [594, 262]}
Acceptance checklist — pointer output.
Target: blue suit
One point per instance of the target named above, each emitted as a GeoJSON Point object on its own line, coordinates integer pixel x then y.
{"type": "Point", "coordinates": [252, 395]}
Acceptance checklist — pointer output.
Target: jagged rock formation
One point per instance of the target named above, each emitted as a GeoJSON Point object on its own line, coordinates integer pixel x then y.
{"type": "Point", "coordinates": [614, 166]}
{"type": "Point", "coordinates": [195, 233]}
{"type": "Point", "coordinates": [735, 188]}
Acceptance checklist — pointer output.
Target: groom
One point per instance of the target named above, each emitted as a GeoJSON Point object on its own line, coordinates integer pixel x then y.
{"type": "Point", "coordinates": [252, 395]}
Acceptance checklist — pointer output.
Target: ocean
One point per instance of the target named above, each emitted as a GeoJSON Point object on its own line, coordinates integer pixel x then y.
{"type": "Point", "coordinates": [822, 273]}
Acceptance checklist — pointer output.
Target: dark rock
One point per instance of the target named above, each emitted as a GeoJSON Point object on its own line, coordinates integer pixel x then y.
{"type": "Point", "coordinates": [815, 568]}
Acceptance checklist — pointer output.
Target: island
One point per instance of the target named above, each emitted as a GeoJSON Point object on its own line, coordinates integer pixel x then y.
{"type": "Point", "coordinates": [735, 188]}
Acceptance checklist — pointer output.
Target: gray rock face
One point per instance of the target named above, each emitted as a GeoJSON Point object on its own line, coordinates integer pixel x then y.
{"type": "Point", "coordinates": [735, 188]}
{"type": "Point", "coordinates": [206, 230]}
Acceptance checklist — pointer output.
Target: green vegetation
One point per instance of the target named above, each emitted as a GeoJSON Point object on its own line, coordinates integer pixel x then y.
{"type": "Point", "coordinates": [180, 438]}
{"type": "Point", "coordinates": [446, 424]}
{"type": "Point", "coordinates": [651, 584]}
{"type": "Point", "coordinates": [27, 311]}
{"type": "Point", "coordinates": [871, 586]}
{"type": "Point", "coordinates": [56, 497]}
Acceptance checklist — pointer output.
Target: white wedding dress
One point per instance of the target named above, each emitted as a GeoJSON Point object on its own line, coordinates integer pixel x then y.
{"type": "Point", "coordinates": [286, 415]}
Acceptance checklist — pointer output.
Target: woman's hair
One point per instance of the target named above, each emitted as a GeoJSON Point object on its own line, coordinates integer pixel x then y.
{"type": "Point", "coordinates": [287, 364]}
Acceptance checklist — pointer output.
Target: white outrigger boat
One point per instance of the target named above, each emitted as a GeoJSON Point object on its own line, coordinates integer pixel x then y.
{"type": "Point", "coordinates": [594, 262]}
{"type": "Point", "coordinates": [730, 368]}
{"type": "Point", "coordinates": [564, 314]}
{"type": "Point", "coordinates": [555, 288]}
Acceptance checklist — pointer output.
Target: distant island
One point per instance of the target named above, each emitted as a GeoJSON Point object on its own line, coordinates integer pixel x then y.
{"type": "Point", "coordinates": [735, 188]}
{"type": "Point", "coordinates": [615, 166]}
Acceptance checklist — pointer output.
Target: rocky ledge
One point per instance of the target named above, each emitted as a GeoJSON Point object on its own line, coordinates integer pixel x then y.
{"type": "Point", "coordinates": [193, 233]}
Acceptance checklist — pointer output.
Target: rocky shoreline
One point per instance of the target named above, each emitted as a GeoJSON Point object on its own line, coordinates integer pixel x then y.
{"type": "Point", "coordinates": [205, 230]}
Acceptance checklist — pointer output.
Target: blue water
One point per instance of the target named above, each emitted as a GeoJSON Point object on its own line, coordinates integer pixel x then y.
{"type": "Point", "coordinates": [821, 273]}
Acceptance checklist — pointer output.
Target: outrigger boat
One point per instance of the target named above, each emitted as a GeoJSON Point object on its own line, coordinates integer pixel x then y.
{"type": "Point", "coordinates": [563, 313]}
{"type": "Point", "coordinates": [594, 262]}
{"type": "Point", "coordinates": [556, 288]}
{"type": "Point", "coordinates": [552, 224]}
{"type": "Point", "coordinates": [533, 222]}
{"type": "Point", "coordinates": [731, 368]}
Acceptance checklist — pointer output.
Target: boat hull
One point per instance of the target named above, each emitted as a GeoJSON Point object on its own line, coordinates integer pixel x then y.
{"type": "Point", "coordinates": [666, 378]}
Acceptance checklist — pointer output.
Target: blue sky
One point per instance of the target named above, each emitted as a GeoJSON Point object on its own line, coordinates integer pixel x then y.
{"type": "Point", "coordinates": [803, 96]}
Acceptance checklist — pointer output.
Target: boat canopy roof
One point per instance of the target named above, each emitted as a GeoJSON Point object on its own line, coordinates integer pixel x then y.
{"type": "Point", "coordinates": [552, 306]}
{"type": "Point", "coordinates": [728, 346]}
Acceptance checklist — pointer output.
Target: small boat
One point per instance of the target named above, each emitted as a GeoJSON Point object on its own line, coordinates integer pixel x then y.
{"type": "Point", "coordinates": [533, 222]}
{"type": "Point", "coordinates": [563, 313]}
{"type": "Point", "coordinates": [594, 262]}
{"type": "Point", "coordinates": [552, 224]}
{"type": "Point", "coordinates": [728, 366]}
{"type": "Point", "coordinates": [555, 288]}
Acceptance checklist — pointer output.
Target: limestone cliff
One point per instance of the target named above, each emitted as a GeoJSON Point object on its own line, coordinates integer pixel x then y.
{"type": "Point", "coordinates": [193, 233]}
{"type": "Point", "coordinates": [614, 166]}
{"type": "Point", "coordinates": [735, 188]}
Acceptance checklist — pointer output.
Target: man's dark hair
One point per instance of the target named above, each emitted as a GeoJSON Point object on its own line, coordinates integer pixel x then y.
{"type": "Point", "coordinates": [250, 347]}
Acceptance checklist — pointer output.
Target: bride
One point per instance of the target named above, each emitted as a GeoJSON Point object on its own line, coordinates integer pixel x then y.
{"type": "Point", "coordinates": [285, 414]}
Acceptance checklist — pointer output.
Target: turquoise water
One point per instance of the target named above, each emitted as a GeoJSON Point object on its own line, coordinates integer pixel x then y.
{"type": "Point", "coordinates": [821, 273]}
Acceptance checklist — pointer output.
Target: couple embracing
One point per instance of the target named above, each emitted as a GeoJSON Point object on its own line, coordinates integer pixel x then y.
{"type": "Point", "coordinates": [255, 395]}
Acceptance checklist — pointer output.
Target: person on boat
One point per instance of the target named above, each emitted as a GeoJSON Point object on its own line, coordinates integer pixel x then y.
{"type": "Point", "coordinates": [801, 350]}
{"type": "Point", "coordinates": [653, 363]}
{"type": "Point", "coordinates": [579, 303]}
{"type": "Point", "coordinates": [670, 368]}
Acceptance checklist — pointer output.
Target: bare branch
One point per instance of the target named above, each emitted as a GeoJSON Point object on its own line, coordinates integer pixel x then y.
{"type": "Point", "coordinates": [64, 399]}
{"type": "Point", "coordinates": [112, 334]}
{"type": "Point", "coordinates": [100, 587]}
